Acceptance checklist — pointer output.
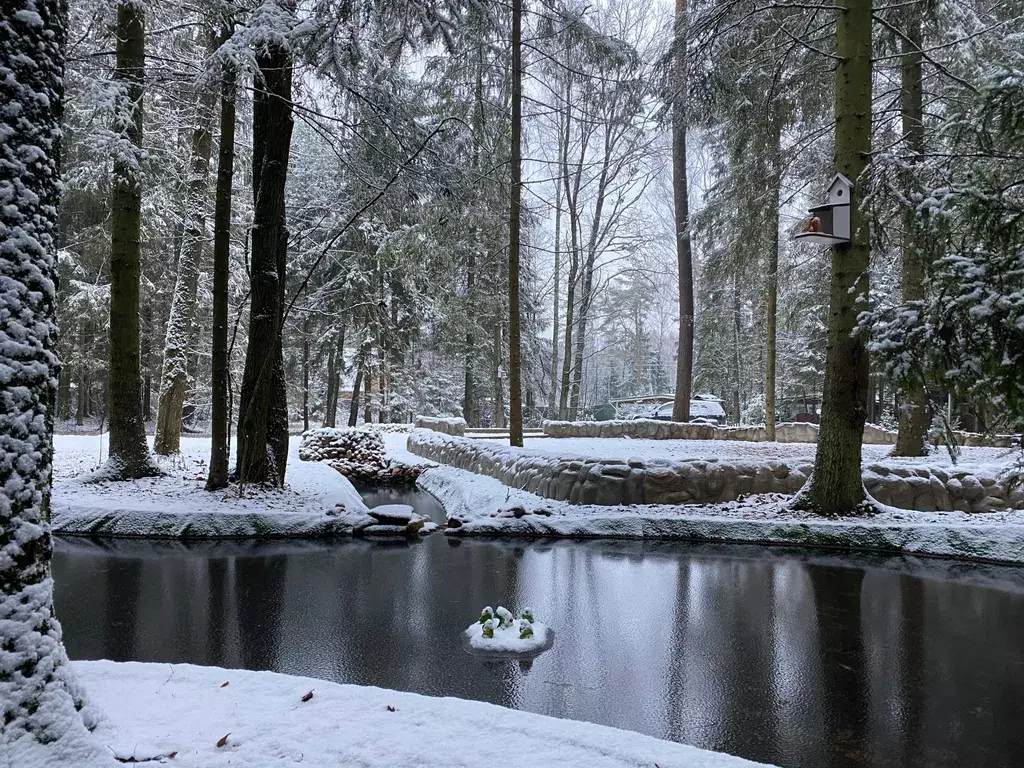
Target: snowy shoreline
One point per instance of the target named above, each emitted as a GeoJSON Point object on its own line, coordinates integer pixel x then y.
{"type": "Point", "coordinates": [209, 717]}
{"type": "Point", "coordinates": [483, 506]}
{"type": "Point", "coordinates": [316, 502]}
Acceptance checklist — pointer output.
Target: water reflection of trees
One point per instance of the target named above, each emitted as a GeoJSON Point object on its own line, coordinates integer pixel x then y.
{"type": "Point", "coordinates": [795, 659]}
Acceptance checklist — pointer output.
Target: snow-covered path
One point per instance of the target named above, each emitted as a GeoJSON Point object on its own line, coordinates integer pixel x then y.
{"type": "Point", "coordinates": [622, 449]}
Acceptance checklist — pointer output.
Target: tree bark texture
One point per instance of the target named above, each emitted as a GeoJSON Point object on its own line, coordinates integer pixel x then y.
{"type": "Point", "coordinates": [680, 196]}
{"type": "Point", "coordinates": [515, 397]}
{"type": "Point", "coordinates": [180, 331]}
{"type": "Point", "coordinates": [772, 303]}
{"type": "Point", "coordinates": [42, 719]}
{"type": "Point", "coordinates": [221, 363]}
{"type": "Point", "coordinates": [129, 454]}
{"type": "Point", "coordinates": [263, 415]}
{"type": "Point", "coordinates": [913, 415]}
{"type": "Point", "coordinates": [835, 486]}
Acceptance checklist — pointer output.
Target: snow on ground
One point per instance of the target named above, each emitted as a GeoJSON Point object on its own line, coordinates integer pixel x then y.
{"type": "Point", "coordinates": [316, 500]}
{"type": "Point", "coordinates": [623, 449]}
{"type": "Point", "coordinates": [395, 443]}
{"type": "Point", "coordinates": [480, 505]}
{"type": "Point", "coordinates": [260, 719]}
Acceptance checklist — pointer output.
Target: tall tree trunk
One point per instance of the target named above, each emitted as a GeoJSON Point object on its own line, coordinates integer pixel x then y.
{"type": "Point", "coordinates": [263, 414]}
{"type": "Point", "coordinates": [80, 400]}
{"type": "Point", "coordinates": [468, 393]}
{"type": "Point", "coordinates": [331, 396]}
{"type": "Point", "coordinates": [43, 723]}
{"type": "Point", "coordinates": [146, 346]}
{"type": "Point", "coordinates": [835, 486]}
{"type": "Point", "coordinates": [913, 416]}
{"type": "Point", "coordinates": [367, 394]}
{"type": "Point", "coordinates": [220, 374]}
{"type": "Point", "coordinates": [305, 374]}
{"type": "Point", "coordinates": [515, 398]}
{"type": "Point", "coordinates": [129, 455]}
{"type": "Point", "coordinates": [772, 312]}
{"type": "Point", "coordinates": [64, 395]}
{"type": "Point", "coordinates": [736, 347]}
{"type": "Point", "coordinates": [499, 383]}
{"type": "Point", "coordinates": [353, 414]}
{"type": "Point", "coordinates": [335, 366]}
{"type": "Point", "coordinates": [469, 389]}
{"type": "Point", "coordinates": [556, 282]}
{"type": "Point", "coordinates": [684, 256]}
{"type": "Point", "coordinates": [180, 333]}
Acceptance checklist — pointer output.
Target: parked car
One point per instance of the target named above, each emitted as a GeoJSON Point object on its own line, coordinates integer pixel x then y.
{"type": "Point", "coordinates": [701, 412]}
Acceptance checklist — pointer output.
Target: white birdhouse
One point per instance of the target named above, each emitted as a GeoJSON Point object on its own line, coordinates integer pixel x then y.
{"type": "Point", "coordinates": [830, 223]}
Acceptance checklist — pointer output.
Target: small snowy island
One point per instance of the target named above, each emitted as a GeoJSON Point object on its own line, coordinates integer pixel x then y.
{"type": "Point", "coordinates": [499, 631]}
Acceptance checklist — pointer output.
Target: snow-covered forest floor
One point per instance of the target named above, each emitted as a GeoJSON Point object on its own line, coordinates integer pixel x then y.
{"type": "Point", "coordinates": [209, 717]}
{"type": "Point", "coordinates": [624, 448]}
{"type": "Point", "coordinates": [176, 504]}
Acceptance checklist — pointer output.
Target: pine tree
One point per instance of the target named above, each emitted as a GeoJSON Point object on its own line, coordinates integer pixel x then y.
{"type": "Point", "coordinates": [680, 194]}
{"type": "Point", "coordinates": [835, 486]}
{"type": "Point", "coordinates": [129, 454]}
{"type": "Point", "coordinates": [515, 193]}
{"type": "Point", "coordinates": [220, 375]}
{"type": "Point", "coordinates": [262, 411]}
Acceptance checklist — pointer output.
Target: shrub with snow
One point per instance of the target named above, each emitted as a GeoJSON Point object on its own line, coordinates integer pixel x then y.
{"type": "Point", "coordinates": [497, 630]}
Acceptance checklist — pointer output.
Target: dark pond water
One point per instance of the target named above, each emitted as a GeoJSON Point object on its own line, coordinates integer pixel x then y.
{"type": "Point", "coordinates": [801, 659]}
{"type": "Point", "coordinates": [420, 500]}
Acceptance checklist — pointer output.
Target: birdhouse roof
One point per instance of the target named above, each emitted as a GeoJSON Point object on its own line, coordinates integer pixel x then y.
{"type": "Point", "coordinates": [839, 179]}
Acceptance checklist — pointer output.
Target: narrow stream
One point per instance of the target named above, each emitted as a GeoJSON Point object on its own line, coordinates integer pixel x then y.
{"type": "Point", "coordinates": [802, 659]}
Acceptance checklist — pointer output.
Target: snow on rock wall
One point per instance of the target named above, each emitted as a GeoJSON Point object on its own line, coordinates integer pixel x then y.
{"type": "Point", "coordinates": [447, 425]}
{"type": "Point", "coordinates": [786, 432]}
{"type": "Point", "coordinates": [651, 429]}
{"type": "Point", "coordinates": [610, 482]}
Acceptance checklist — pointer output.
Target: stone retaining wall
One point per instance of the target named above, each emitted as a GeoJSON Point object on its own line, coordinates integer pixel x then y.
{"type": "Point", "coordinates": [447, 425]}
{"type": "Point", "coordinates": [612, 482]}
{"type": "Point", "coordinates": [651, 429]}
{"type": "Point", "coordinates": [786, 432]}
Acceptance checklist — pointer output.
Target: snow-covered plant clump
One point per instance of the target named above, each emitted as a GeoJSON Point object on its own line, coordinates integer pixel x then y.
{"type": "Point", "coordinates": [359, 454]}
{"type": "Point", "coordinates": [387, 428]}
{"type": "Point", "coordinates": [498, 630]}
{"type": "Point", "coordinates": [360, 446]}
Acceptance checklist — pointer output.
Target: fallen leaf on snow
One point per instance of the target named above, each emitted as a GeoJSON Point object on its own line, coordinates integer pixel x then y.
{"type": "Point", "coordinates": [308, 696]}
{"type": "Point", "coordinates": [222, 740]}
{"type": "Point", "coordinates": [222, 685]}
{"type": "Point", "coordinates": [391, 709]}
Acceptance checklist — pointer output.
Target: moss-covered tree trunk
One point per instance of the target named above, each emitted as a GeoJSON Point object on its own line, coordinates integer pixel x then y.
{"type": "Point", "coordinates": [129, 454]}
{"type": "Point", "coordinates": [835, 486]}
{"type": "Point", "coordinates": [43, 721]}
{"type": "Point", "coordinates": [263, 418]}
{"type": "Point", "coordinates": [680, 197]}
{"type": "Point", "coordinates": [220, 362]}
{"type": "Point", "coordinates": [913, 415]}
{"type": "Point", "coordinates": [180, 331]}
